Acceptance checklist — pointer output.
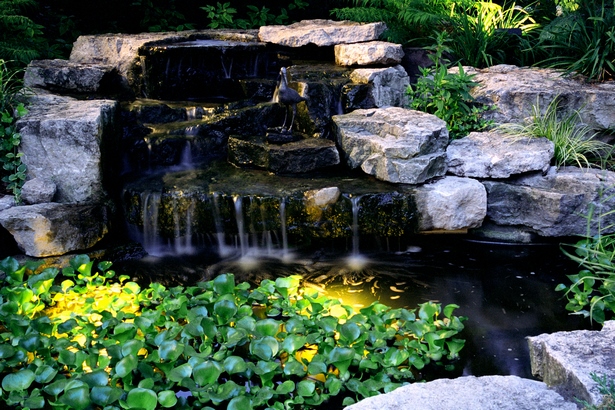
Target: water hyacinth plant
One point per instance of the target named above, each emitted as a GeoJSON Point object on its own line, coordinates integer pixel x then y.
{"type": "Point", "coordinates": [84, 342]}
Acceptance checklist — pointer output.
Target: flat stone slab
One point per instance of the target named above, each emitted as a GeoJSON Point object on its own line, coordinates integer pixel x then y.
{"type": "Point", "coordinates": [394, 144]}
{"type": "Point", "coordinates": [565, 361]}
{"type": "Point", "coordinates": [295, 157]}
{"type": "Point", "coordinates": [321, 33]}
{"type": "Point", "coordinates": [372, 52]}
{"type": "Point", "coordinates": [513, 90]}
{"type": "Point", "coordinates": [66, 76]}
{"type": "Point", "coordinates": [451, 203]}
{"type": "Point", "coordinates": [465, 393]}
{"type": "Point", "coordinates": [554, 204]}
{"type": "Point", "coordinates": [496, 155]}
{"type": "Point", "coordinates": [55, 229]}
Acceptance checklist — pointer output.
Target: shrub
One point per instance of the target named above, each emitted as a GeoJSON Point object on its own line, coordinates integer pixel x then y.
{"type": "Point", "coordinates": [84, 341]}
{"type": "Point", "coordinates": [447, 94]}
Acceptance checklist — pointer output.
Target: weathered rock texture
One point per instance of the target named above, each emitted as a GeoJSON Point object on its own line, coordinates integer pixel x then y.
{"type": "Point", "coordinates": [554, 204]}
{"type": "Point", "coordinates": [514, 90]}
{"type": "Point", "coordinates": [475, 393]}
{"type": "Point", "coordinates": [565, 360]}
{"type": "Point", "coordinates": [369, 53]}
{"type": "Point", "coordinates": [377, 87]}
{"type": "Point", "coordinates": [38, 191]}
{"type": "Point", "coordinates": [321, 33]}
{"type": "Point", "coordinates": [496, 155]}
{"type": "Point", "coordinates": [394, 144]}
{"type": "Point", "coordinates": [55, 229]}
{"type": "Point", "coordinates": [451, 203]}
{"type": "Point", "coordinates": [63, 140]}
{"type": "Point", "coordinates": [293, 157]}
{"type": "Point", "coordinates": [67, 76]}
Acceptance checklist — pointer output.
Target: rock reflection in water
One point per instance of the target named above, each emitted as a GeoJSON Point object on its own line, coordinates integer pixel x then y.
{"type": "Point", "coordinates": [506, 291]}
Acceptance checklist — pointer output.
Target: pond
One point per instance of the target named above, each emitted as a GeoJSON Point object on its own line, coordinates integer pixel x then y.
{"type": "Point", "coordinates": [505, 290]}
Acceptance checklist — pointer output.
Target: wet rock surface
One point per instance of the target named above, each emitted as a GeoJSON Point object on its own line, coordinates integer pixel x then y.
{"type": "Point", "coordinates": [68, 76]}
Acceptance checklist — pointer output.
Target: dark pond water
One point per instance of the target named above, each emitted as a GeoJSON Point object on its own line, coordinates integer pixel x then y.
{"type": "Point", "coordinates": [506, 291]}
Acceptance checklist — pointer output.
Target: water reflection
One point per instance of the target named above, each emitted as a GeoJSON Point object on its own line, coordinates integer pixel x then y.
{"type": "Point", "coordinates": [506, 291]}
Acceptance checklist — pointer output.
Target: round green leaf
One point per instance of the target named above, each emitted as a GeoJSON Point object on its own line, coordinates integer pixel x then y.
{"type": "Point", "coordinates": [105, 395]}
{"type": "Point", "coordinates": [224, 284]}
{"type": "Point", "coordinates": [139, 398]}
{"type": "Point", "coordinates": [285, 388]}
{"type": "Point", "coordinates": [180, 372]}
{"type": "Point", "coordinates": [239, 403]}
{"type": "Point", "coordinates": [267, 327]}
{"type": "Point", "coordinates": [45, 374]}
{"type": "Point", "coordinates": [131, 347]}
{"type": "Point", "coordinates": [225, 310]}
{"type": "Point", "coordinates": [76, 398]}
{"type": "Point", "coordinates": [20, 380]}
{"type": "Point", "coordinates": [350, 331]}
{"type": "Point", "coordinates": [126, 365]}
{"type": "Point", "coordinates": [6, 351]}
{"type": "Point", "coordinates": [265, 348]}
{"type": "Point", "coordinates": [96, 378]}
{"type": "Point", "coordinates": [306, 388]}
{"type": "Point", "coordinates": [292, 343]}
{"type": "Point", "coordinates": [170, 350]}
{"type": "Point", "coordinates": [167, 398]}
{"type": "Point", "coordinates": [207, 373]}
{"type": "Point", "coordinates": [234, 364]}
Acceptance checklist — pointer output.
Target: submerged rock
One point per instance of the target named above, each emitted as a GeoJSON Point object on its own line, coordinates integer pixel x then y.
{"type": "Point", "coordinates": [321, 33]}
{"type": "Point", "coordinates": [55, 229]}
{"type": "Point", "coordinates": [394, 144]}
{"type": "Point", "coordinates": [495, 155]}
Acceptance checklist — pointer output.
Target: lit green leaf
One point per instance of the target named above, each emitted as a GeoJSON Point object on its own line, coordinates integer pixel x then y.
{"type": "Point", "coordinates": [265, 348]}
{"type": "Point", "coordinates": [45, 374]}
{"type": "Point", "coordinates": [170, 350]}
{"type": "Point", "coordinates": [234, 364]}
{"type": "Point", "coordinates": [267, 327]}
{"type": "Point", "coordinates": [180, 372]}
{"type": "Point", "coordinates": [225, 310]}
{"type": "Point", "coordinates": [20, 380]}
{"type": "Point", "coordinates": [6, 351]}
{"type": "Point", "coordinates": [77, 398]}
{"type": "Point", "coordinates": [306, 388]}
{"type": "Point", "coordinates": [167, 398]}
{"type": "Point", "coordinates": [350, 331]}
{"type": "Point", "coordinates": [105, 395]}
{"type": "Point", "coordinates": [239, 403]}
{"type": "Point", "coordinates": [139, 398]}
{"type": "Point", "coordinates": [131, 347]}
{"type": "Point", "coordinates": [292, 343]}
{"type": "Point", "coordinates": [126, 365]}
{"type": "Point", "coordinates": [207, 373]}
{"type": "Point", "coordinates": [285, 388]}
{"type": "Point", "coordinates": [95, 378]}
{"type": "Point", "coordinates": [224, 284]}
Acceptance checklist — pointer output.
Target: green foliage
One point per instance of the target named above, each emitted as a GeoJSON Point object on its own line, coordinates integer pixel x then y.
{"type": "Point", "coordinates": [575, 143]}
{"type": "Point", "coordinates": [582, 41]}
{"type": "Point", "coordinates": [406, 20]}
{"type": "Point", "coordinates": [161, 17]}
{"type": "Point", "coordinates": [88, 343]}
{"type": "Point", "coordinates": [481, 36]}
{"type": "Point", "coordinates": [447, 94]}
{"type": "Point", "coordinates": [13, 172]}
{"type": "Point", "coordinates": [21, 39]}
{"type": "Point", "coordinates": [592, 292]}
{"type": "Point", "coordinates": [222, 15]}
{"type": "Point", "coordinates": [606, 387]}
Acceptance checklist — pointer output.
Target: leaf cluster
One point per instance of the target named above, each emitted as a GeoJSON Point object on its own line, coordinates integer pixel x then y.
{"type": "Point", "coordinates": [575, 143]}
{"type": "Point", "coordinates": [219, 344]}
{"type": "Point", "coordinates": [222, 15]}
{"type": "Point", "coordinates": [446, 94]}
{"type": "Point", "coordinates": [592, 291]}
{"type": "Point", "coordinates": [582, 40]}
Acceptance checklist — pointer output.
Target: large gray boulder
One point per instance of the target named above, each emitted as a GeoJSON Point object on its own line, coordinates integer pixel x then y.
{"type": "Point", "coordinates": [67, 76]}
{"type": "Point", "coordinates": [513, 90]}
{"type": "Point", "coordinates": [321, 33]}
{"type": "Point", "coordinates": [64, 140]}
{"type": "Point", "coordinates": [55, 229]}
{"type": "Point", "coordinates": [377, 88]}
{"type": "Point", "coordinates": [451, 203]}
{"type": "Point", "coordinates": [369, 53]}
{"type": "Point", "coordinates": [554, 204]}
{"type": "Point", "coordinates": [565, 361]}
{"type": "Point", "coordinates": [469, 393]}
{"type": "Point", "coordinates": [496, 155]}
{"type": "Point", "coordinates": [393, 144]}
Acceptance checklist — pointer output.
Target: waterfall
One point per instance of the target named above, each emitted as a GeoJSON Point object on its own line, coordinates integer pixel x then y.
{"type": "Point", "coordinates": [151, 206]}
{"type": "Point", "coordinates": [356, 261]}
